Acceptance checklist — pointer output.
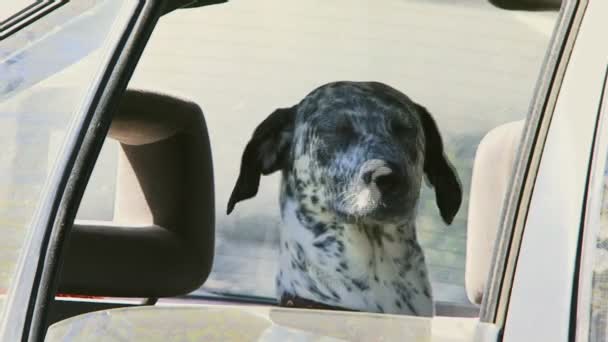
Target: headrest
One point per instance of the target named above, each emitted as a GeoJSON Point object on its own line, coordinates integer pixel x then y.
{"type": "Point", "coordinates": [492, 172]}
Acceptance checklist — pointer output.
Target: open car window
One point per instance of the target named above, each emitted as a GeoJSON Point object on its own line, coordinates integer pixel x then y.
{"type": "Point", "coordinates": [472, 65]}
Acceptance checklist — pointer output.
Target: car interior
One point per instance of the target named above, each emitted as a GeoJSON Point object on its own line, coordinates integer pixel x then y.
{"type": "Point", "coordinates": [159, 245]}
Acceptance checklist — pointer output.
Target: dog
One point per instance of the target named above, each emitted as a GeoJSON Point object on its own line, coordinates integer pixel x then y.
{"type": "Point", "coordinates": [352, 156]}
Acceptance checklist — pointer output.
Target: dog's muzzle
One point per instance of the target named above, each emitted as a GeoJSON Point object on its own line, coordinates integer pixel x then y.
{"type": "Point", "coordinates": [381, 176]}
{"type": "Point", "coordinates": [374, 190]}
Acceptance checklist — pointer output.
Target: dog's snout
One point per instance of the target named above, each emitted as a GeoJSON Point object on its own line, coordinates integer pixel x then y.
{"type": "Point", "coordinates": [388, 182]}
{"type": "Point", "coordinates": [382, 174]}
{"type": "Point", "coordinates": [377, 175]}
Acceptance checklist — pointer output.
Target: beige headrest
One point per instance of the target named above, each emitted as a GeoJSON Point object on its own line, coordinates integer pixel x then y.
{"type": "Point", "coordinates": [492, 171]}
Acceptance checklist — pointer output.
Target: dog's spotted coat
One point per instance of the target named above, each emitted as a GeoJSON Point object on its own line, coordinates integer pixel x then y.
{"type": "Point", "coordinates": [352, 156]}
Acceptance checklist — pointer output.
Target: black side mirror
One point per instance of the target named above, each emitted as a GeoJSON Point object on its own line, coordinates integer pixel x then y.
{"type": "Point", "coordinates": [161, 240]}
{"type": "Point", "coordinates": [171, 5]}
{"type": "Point", "coordinates": [528, 5]}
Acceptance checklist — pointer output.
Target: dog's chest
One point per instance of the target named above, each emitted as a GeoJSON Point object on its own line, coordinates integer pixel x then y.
{"type": "Point", "coordinates": [373, 269]}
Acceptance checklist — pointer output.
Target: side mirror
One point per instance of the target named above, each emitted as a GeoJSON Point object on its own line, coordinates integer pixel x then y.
{"type": "Point", "coordinates": [528, 5]}
{"type": "Point", "coordinates": [171, 5]}
{"type": "Point", "coordinates": [161, 240]}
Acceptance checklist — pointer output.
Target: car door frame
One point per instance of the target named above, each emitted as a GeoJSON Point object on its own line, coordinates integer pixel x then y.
{"type": "Point", "coordinates": [38, 267]}
{"type": "Point", "coordinates": [576, 76]}
{"type": "Point", "coordinates": [525, 170]}
{"type": "Point", "coordinates": [591, 224]}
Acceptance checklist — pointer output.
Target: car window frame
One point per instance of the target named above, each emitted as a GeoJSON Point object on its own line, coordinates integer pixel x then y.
{"type": "Point", "coordinates": [61, 199]}
{"type": "Point", "coordinates": [27, 16]}
{"type": "Point", "coordinates": [517, 201]}
{"type": "Point", "coordinates": [545, 274]}
{"type": "Point", "coordinates": [117, 77]}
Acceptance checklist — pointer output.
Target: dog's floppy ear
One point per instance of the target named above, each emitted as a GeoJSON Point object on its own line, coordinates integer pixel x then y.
{"type": "Point", "coordinates": [266, 152]}
{"type": "Point", "coordinates": [439, 172]}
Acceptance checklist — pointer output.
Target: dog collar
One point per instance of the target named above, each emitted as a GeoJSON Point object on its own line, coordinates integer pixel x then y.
{"type": "Point", "coordinates": [291, 301]}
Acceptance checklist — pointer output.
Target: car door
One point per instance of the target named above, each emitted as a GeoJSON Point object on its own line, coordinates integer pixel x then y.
{"type": "Point", "coordinates": [533, 289]}
{"type": "Point", "coordinates": [62, 66]}
{"type": "Point", "coordinates": [589, 316]}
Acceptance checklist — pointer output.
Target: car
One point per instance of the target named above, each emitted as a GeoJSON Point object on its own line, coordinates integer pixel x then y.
{"type": "Point", "coordinates": [122, 124]}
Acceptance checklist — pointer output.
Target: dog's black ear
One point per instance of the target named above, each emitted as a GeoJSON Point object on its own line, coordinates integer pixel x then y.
{"type": "Point", "coordinates": [266, 152]}
{"type": "Point", "coordinates": [439, 172]}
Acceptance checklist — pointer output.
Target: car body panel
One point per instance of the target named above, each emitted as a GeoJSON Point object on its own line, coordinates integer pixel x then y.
{"type": "Point", "coordinates": [590, 303]}
{"type": "Point", "coordinates": [552, 229]}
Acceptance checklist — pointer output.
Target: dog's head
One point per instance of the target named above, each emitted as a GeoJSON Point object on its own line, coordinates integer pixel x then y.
{"type": "Point", "coordinates": [353, 150]}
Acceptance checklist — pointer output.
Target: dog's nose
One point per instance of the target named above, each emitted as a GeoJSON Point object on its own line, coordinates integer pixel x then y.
{"type": "Point", "coordinates": [384, 175]}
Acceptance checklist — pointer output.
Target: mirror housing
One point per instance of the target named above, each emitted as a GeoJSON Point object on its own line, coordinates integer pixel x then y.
{"type": "Point", "coordinates": [171, 5]}
{"type": "Point", "coordinates": [528, 5]}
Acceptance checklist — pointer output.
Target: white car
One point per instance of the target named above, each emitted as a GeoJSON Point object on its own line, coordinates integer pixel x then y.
{"type": "Point", "coordinates": [125, 238]}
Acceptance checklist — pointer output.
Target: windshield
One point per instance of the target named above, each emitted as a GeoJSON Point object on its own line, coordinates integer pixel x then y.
{"type": "Point", "coordinates": [472, 65]}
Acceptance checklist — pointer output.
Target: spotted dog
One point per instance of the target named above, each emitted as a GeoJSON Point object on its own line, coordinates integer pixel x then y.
{"type": "Point", "coordinates": [352, 157]}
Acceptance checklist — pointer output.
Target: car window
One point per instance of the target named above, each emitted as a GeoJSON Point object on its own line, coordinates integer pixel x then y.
{"type": "Point", "coordinates": [48, 71]}
{"type": "Point", "coordinates": [472, 65]}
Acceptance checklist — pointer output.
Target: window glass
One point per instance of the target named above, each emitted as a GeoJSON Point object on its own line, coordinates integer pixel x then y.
{"type": "Point", "coordinates": [47, 71]}
{"type": "Point", "coordinates": [473, 66]}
